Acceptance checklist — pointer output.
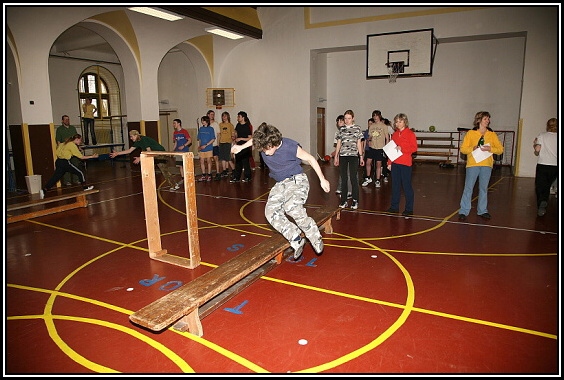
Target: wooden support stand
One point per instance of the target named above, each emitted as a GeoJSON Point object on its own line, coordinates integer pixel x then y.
{"type": "Point", "coordinates": [156, 252]}
{"type": "Point", "coordinates": [80, 201]}
{"type": "Point", "coordinates": [184, 305]}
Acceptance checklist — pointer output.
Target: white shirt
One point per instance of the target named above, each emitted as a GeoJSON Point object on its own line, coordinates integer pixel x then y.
{"type": "Point", "coordinates": [215, 126]}
{"type": "Point", "coordinates": [548, 154]}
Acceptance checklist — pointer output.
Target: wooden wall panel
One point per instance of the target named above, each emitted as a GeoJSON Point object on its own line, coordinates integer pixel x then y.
{"type": "Point", "coordinates": [41, 151]}
{"type": "Point", "coordinates": [18, 153]}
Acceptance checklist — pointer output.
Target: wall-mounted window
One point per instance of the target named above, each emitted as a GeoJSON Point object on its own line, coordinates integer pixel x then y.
{"type": "Point", "coordinates": [92, 86]}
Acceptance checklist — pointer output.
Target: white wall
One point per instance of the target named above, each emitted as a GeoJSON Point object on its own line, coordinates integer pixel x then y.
{"type": "Point", "coordinates": [63, 79]}
{"type": "Point", "coordinates": [272, 77]}
{"type": "Point", "coordinates": [467, 77]}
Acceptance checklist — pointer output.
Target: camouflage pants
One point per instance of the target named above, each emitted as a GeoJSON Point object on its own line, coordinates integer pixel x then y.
{"type": "Point", "coordinates": [288, 198]}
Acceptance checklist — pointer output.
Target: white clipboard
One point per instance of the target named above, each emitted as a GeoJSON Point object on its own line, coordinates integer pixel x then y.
{"type": "Point", "coordinates": [480, 155]}
{"type": "Point", "coordinates": [391, 151]}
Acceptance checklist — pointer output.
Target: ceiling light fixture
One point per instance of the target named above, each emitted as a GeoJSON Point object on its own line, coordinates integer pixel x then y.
{"type": "Point", "coordinates": [157, 13]}
{"type": "Point", "coordinates": [224, 33]}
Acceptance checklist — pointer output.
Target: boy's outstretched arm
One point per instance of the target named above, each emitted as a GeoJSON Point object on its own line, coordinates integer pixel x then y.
{"type": "Point", "coordinates": [305, 156]}
{"type": "Point", "coordinates": [237, 148]}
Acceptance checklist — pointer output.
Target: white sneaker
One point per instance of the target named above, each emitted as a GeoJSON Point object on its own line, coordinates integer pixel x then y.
{"type": "Point", "coordinates": [88, 188]}
{"type": "Point", "coordinates": [377, 183]}
{"type": "Point", "coordinates": [385, 179]}
{"type": "Point", "coordinates": [354, 205]}
{"type": "Point", "coordinates": [41, 194]}
{"type": "Point", "coordinates": [318, 246]}
{"type": "Point", "coordinates": [298, 246]}
{"type": "Point", "coordinates": [367, 181]}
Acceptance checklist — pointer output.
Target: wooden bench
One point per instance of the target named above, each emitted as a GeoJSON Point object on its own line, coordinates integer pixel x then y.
{"type": "Point", "coordinates": [435, 154]}
{"type": "Point", "coordinates": [191, 302]}
{"type": "Point", "coordinates": [80, 201]}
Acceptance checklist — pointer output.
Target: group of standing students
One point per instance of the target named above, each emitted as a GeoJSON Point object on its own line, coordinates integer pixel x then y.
{"type": "Point", "coordinates": [480, 144]}
{"type": "Point", "coordinates": [350, 153]}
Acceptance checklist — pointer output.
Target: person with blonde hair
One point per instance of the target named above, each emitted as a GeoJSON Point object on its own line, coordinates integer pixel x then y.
{"type": "Point", "coordinates": [480, 139]}
{"type": "Point", "coordinates": [144, 143]}
{"type": "Point", "coordinates": [546, 148]}
{"type": "Point", "coordinates": [88, 111]}
{"type": "Point", "coordinates": [401, 168]}
{"type": "Point", "coordinates": [226, 137]}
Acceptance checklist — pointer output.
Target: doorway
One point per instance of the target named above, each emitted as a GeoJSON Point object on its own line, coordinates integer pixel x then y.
{"type": "Point", "coordinates": [166, 118]}
{"type": "Point", "coordinates": [321, 131]}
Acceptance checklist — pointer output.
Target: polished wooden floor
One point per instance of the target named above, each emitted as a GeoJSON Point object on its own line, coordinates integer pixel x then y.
{"type": "Point", "coordinates": [390, 295]}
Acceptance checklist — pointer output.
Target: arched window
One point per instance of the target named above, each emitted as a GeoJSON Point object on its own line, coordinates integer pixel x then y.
{"type": "Point", "coordinates": [99, 84]}
{"type": "Point", "coordinates": [92, 86]}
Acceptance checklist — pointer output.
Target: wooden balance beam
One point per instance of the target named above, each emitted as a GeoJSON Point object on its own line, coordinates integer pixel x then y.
{"type": "Point", "coordinates": [183, 305]}
{"type": "Point", "coordinates": [80, 201]}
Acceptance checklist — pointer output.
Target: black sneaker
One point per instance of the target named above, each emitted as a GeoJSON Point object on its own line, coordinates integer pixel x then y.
{"type": "Point", "coordinates": [542, 208]}
{"type": "Point", "coordinates": [486, 216]}
{"type": "Point", "coordinates": [354, 204]}
{"type": "Point", "coordinates": [234, 180]}
{"type": "Point", "coordinates": [461, 217]}
{"type": "Point", "coordinates": [343, 205]}
{"type": "Point", "coordinates": [407, 213]}
{"type": "Point", "coordinates": [392, 210]}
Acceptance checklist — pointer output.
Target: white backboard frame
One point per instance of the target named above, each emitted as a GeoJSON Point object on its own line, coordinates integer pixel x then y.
{"type": "Point", "coordinates": [416, 48]}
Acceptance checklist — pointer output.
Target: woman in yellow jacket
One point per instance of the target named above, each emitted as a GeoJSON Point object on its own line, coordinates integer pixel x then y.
{"type": "Point", "coordinates": [63, 163]}
{"type": "Point", "coordinates": [478, 143]}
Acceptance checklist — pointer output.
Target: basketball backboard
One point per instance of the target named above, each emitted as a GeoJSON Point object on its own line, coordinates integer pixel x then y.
{"type": "Point", "coordinates": [412, 50]}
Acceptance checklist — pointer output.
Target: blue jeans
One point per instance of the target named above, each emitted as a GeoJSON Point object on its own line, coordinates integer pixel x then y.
{"type": "Point", "coordinates": [482, 174]}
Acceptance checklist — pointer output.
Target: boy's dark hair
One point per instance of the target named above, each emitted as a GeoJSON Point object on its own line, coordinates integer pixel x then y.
{"type": "Point", "coordinates": [206, 118]}
{"type": "Point", "coordinates": [178, 121]}
{"type": "Point", "coordinates": [340, 117]}
{"type": "Point", "coordinates": [266, 136]}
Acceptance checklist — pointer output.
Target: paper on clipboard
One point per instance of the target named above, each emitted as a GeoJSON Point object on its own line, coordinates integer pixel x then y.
{"type": "Point", "coordinates": [391, 151]}
{"type": "Point", "coordinates": [480, 155]}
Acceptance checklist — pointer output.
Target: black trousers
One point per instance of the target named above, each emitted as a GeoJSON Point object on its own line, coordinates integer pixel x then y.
{"type": "Point", "coordinates": [63, 166]}
{"type": "Point", "coordinates": [242, 162]}
{"type": "Point", "coordinates": [544, 177]}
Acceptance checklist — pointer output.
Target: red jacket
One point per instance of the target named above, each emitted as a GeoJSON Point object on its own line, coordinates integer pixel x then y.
{"type": "Point", "coordinates": [408, 142]}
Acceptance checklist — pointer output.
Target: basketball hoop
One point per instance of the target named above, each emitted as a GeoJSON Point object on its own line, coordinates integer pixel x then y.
{"type": "Point", "coordinates": [394, 68]}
